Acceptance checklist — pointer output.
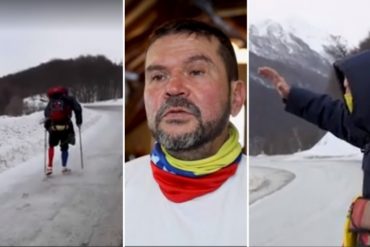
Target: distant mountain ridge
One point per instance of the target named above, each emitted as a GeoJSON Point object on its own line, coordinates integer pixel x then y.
{"type": "Point", "coordinates": [275, 42]}
{"type": "Point", "coordinates": [272, 130]}
{"type": "Point", "coordinates": [290, 30]}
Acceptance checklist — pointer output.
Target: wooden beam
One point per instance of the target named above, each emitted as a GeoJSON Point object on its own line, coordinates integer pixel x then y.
{"type": "Point", "coordinates": [142, 27]}
{"type": "Point", "coordinates": [138, 12]}
{"type": "Point", "coordinates": [135, 63]}
{"type": "Point", "coordinates": [231, 12]}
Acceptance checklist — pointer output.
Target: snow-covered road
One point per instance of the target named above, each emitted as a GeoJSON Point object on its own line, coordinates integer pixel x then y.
{"type": "Point", "coordinates": [309, 210]}
{"type": "Point", "coordinates": [80, 209]}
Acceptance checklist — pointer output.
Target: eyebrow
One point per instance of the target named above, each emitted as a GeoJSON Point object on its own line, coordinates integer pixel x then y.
{"type": "Point", "coordinates": [200, 57]}
{"type": "Point", "coordinates": [155, 67]}
{"type": "Point", "coordinates": [189, 60]}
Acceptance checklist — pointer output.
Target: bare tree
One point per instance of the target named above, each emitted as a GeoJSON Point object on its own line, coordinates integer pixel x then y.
{"type": "Point", "coordinates": [339, 47]}
{"type": "Point", "coordinates": [15, 106]}
{"type": "Point", "coordinates": [365, 44]}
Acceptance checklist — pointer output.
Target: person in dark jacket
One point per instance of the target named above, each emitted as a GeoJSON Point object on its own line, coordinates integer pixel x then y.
{"type": "Point", "coordinates": [58, 113]}
{"type": "Point", "coordinates": [348, 119]}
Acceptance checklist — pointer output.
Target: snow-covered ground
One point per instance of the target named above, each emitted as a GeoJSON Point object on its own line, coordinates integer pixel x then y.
{"type": "Point", "coordinates": [81, 209]}
{"type": "Point", "coordinates": [302, 199]}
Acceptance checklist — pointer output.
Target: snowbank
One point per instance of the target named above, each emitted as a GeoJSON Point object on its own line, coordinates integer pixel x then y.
{"type": "Point", "coordinates": [23, 137]}
{"type": "Point", "coordinates": [330, 147]}
{"type": "Point", "coordinates": [106, 102]}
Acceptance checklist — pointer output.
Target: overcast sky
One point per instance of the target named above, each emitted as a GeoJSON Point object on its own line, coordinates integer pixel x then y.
{"type": "Point", "coordinates": [351, 19]}
{"type": "Point", "coordinates": [36, 31]}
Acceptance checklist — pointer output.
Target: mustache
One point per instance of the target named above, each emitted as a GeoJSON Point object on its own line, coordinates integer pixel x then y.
{"type": "Point", "coordinates": [177, 101]}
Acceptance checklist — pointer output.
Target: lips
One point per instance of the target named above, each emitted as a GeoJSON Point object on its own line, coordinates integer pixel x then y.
{"type": "Point", "coordinates": [176, 113]}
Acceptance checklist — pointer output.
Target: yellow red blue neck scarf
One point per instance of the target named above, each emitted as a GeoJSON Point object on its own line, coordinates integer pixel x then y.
{"type": "Point", "coordinates": [181, 181]}
{"type": "Point", "coordinates": [228, 153]}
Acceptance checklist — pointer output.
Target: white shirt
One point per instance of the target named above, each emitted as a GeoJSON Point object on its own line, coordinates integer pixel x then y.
{"type": "Point", "coordinates": [214, 219]}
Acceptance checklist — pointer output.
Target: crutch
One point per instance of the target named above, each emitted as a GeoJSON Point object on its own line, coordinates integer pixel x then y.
{"type": "Point", "coordinates": [45, 150]}
{"type": "Point", "coordinates": [81, 153]}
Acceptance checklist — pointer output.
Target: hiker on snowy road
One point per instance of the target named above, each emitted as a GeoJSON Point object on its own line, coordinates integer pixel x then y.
{"type": "Point", "coordinates": [58, 123]}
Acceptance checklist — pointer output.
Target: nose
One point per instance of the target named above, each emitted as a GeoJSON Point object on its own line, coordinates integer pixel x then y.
{"type": "Point", "coordinates": [176, 86]}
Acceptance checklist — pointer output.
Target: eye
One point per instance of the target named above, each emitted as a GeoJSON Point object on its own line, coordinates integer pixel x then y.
{"type": "Point", "coordinates": [197, 72]}
{"type": "Point", "coordinates": [158, 77]}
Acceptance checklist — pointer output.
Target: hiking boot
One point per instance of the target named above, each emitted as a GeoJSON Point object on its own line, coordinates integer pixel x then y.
{"type": "Point", "coordinates": [66, 170]}
{"type": "Point", "coordinates": [72, 139]}
{"type": "Point", "coordinates": [49, 171]}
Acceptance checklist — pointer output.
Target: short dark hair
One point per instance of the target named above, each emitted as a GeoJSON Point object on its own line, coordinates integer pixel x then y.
{"type": "Point", "coordinates": [189, 26]}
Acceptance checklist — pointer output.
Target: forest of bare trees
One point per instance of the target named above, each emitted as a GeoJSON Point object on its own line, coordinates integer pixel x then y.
{"type": "Point", "coordinates": [89, 78]}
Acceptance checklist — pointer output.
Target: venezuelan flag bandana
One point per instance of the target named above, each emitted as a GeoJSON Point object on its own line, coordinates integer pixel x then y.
{"type": "Point", "coordinates": [181, 181]}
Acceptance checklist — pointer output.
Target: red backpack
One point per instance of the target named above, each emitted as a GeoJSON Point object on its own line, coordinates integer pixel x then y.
{"type": "Point", "coordinates": [59, 110]}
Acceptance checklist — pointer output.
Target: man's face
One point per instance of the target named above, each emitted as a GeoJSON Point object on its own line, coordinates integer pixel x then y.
{"type": "Point", "coordinates": [186, 91]}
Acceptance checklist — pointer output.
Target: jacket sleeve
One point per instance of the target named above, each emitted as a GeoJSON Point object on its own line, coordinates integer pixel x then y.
{"type": "Point", "coordinates": [77, 109]}
{"type": "Point", "coordinates": [47, 111]}
{"type": "Point", "coordinates": [47, 121]}
{"type": "Point", "coordinates": [326, 113]}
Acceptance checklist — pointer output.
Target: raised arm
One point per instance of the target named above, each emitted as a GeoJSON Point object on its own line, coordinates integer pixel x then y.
{"type": "Point", "coordinates": [319, 109]}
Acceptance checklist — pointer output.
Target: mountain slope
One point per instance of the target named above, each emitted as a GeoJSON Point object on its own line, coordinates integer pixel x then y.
{"type": "Point", "coordinates": [271, 129]}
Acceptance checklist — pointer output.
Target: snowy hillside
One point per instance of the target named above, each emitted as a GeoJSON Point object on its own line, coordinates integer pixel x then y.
{"type": "Point", "coordinates": [289, 43]}
{"type": "Point", "coordinates": [288, 32]}
{"type": "Point", "coordinates": [284, 48]}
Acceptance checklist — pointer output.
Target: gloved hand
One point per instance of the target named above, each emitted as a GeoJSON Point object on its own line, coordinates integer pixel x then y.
{"type": "Point", "coordinates": [79, 123]}
{"type": "Point", "coordinates": [47, 124]}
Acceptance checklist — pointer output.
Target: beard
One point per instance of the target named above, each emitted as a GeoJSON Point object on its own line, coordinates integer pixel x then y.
{"type": "Point", "coordinates": [204, 132]}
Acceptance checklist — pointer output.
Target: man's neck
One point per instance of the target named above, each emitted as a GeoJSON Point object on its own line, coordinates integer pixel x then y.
{"type": "Point", "coordinates": [206, 150]}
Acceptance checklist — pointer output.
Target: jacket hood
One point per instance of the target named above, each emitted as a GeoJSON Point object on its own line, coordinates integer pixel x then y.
{"type": "Point", "coordinates": [356, 68]}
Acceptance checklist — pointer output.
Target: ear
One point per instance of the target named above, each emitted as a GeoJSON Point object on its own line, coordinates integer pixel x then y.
{"type": "Point", "coordinates": [238, 94]}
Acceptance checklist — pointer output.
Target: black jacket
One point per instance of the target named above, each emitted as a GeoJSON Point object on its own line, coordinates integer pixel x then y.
{"type": "Point", "coordinates": [332, 115]}
{"type": "Point", "coordinates": [72, 103]}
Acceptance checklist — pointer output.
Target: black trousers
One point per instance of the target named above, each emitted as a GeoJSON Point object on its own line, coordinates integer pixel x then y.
{"type": "Point", "coordinates": [61, 137]}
